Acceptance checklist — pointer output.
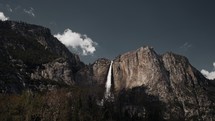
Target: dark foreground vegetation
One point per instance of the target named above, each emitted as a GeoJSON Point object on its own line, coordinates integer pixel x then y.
{"type": "Point", "coordinates": [56, 105]}
{"type": "Point", "coordinates": [74, 104]}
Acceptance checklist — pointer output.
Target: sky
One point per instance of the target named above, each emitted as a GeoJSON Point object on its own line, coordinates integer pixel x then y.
{"type": "Point", "coordinates": [107, 28]}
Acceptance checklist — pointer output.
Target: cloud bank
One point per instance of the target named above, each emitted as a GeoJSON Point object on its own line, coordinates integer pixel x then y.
{"type": "Point", "coordinates": [77, 41]}
{"type": "Point", "coordinates": [209, 75]}
{"type": "Point", "coordinates": [3, 17]}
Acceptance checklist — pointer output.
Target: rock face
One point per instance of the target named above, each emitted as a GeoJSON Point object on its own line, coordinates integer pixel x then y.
{"type": "Point", "coordinates": [171, 78]}
{"type": "Point", "coordinates": [138, 68]}
{"type": "Point", "coordinates": [94, 74]}
{"type": "Point", "coordinates": [30, 54]}
{"type": "Point", "coordinates": [58, 70]}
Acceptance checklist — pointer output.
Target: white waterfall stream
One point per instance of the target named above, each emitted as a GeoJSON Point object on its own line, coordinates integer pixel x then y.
{"type": "Point", "coordinates": [108, 83]}
{"type": "Point", "coordinates": [107, 94]}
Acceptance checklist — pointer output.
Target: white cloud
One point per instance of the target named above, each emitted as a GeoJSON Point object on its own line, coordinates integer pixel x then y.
{"type": "Point", "coordinates": [209, 75]}
{"type": "Point", "coordinates": [3, 17]}
{"type": "Point", "coordinates": [29, 11]}
{"type": "Point", "coordinates": [186, 46]}
{"type": "Point", "coordinates": [77, 41]}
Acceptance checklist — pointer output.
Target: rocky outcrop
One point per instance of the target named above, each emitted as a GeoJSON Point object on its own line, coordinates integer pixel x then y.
{"type": "Point", "coordinates": [94, 74]}
{"type": "Point", "coordinates": [169, 77]}
{"type": "Point", "coordinates": [28, 53]}
{"type": "Point", "coordinates": [189, 88]}
{"type": "Point", "coordinates": [58, 70]}
{"type": "Point", "coordinates": [142, 67]}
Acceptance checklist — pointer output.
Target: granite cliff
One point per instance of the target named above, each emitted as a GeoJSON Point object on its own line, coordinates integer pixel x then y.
{"type": "Point", "coordinates": [94, 74]}
{"type": "Point", "coordinates": [186, 94]}
{"type": "Point", "coordinates": [168, 83]}
{"type": "Point", "coordinates": [32, 58]}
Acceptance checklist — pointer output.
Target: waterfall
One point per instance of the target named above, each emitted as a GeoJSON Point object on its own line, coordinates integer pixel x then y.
{"type": "Point", "coordinates": [107, 94]}
{"type": "Point", "coordinates": [108, 83]}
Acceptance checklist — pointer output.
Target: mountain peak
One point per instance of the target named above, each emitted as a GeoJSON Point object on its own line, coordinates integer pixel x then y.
{"type": "Point", "coordinates": [175, 57]}
{"type": "Point", "coordinates": [146, 48]}
{"type": "Point", "coordinates": [169, 76]}
{"type": "Point", "coordinates": [144, 66]}
{"type": "Point", "coordinates": [25, 28]}
{"type": "Point", "coordinates": [29, 53]}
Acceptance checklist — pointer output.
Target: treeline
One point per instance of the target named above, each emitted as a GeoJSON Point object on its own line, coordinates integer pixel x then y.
{"type": "Point", "coordinates": [57, 105]}
{"type": "Point", "coordinates": [77, 104]}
